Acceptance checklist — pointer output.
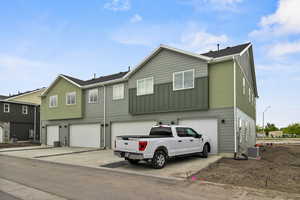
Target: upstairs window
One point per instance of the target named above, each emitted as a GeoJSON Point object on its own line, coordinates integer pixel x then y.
{"type": "Point", "coordinates": [244, 86]}
{"type": "Point", "coordinates": [71, 98]}
{"type": "Point", "coordinates": [93, 95]}
{"type": "Point", "coordinates": [118, 91]}
{"type": "Point", "coordinates": [24, 110]}
{"type": "Point", "coordinates": [53, 101]}
{"type": "Point", "coordinates": [145, 86]}
{"type": "Point", "coordinates": [6, 108]}
{"type": "Point", "coordinates": [183, 80]}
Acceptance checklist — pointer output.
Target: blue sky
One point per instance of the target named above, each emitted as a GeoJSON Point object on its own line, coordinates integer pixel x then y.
{"type": "Point", "coordinates": [41, 39]}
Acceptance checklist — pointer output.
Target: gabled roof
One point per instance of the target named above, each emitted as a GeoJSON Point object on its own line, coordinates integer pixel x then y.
{"type": "Point", "coordinates": [82, 83]}
{"type": "Point", "coordinates": [3, 97]}
{"type": "Point", "coordinates": [24, 93]}
{"type": "Point", "coordinates": [161, 47]}
{"type": "Point", "coordinates": [18, 102]}
{"type": "Point", "coordinates": [227, 51]}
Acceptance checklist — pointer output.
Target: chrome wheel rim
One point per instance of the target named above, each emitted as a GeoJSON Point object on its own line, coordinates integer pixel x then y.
{"type": "Point", "coordinates": [160, 160]}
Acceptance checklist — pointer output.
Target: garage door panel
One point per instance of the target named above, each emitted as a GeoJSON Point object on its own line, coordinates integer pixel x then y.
{"type": "Point", "coordinates": [52, 134]}
{"type": "Point", "coordinates": [208, 127]}
{"type": "Point", "coordinates": [130, 128]}
{"type": "Point", "coordinates": [85, 135]}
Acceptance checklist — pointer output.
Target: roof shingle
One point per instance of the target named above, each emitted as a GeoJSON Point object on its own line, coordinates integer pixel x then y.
{"type": "Point", "coordinates": [227, 51]}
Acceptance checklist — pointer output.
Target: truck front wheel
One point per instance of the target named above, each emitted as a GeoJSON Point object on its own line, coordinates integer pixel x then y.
{"type": "Point", "coordinates": [159, 160]}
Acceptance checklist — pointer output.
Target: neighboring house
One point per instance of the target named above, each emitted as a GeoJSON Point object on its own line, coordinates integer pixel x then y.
{"type": "Point", "coordinates": [215, 93]}
{"type": "Point", "coordinates": [18, 120]}
{"type": "Point", "coordinates": [2, 97]}
{"type": "Point", "coordinates": [275, 133]}
{"type": "Point", "coordinates": [33, 96]}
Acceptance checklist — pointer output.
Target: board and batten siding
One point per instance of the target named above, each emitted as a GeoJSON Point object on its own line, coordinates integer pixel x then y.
{"type": "Point", "coordinates": [62, 111]}
{"type": "Point", "coordinates": [165, 99]}
{"type": "Point", "coordinates": [164, 64]}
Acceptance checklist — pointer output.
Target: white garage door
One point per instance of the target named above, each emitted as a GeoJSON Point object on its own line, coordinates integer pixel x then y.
{"type": "Point", "coordinates": [52, 134]}
{"type": "Point", "coordinates": [85, 135]}
{"type": "Point", "coordinates": [208, 127]}
{"type": "Point", "coordinates": [130, 128]}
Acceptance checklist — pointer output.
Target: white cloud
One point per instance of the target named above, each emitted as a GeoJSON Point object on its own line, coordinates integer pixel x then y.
{"type": "Point", "coordinates": [117, 5]}
{"type": "Point", "coordinates": [201, 41]}
{"type": "Point", "coordinates": [229, 5]}
{"type": "Point", "coordinates": [285, 20]}
{"type": "Point", "coordinates": [285, 48]}
{"type": "Point", "coordinates": [136, 18]}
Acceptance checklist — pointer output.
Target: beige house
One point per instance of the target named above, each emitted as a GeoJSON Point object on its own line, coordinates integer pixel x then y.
{"type": "Point", "coordinates": [275, 134]}
{"type": "Point", "coordinates": [33, 96]}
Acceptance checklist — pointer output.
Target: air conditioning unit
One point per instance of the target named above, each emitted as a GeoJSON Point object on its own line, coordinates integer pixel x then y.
{"type": "Point", "coordinates": [254, 153]}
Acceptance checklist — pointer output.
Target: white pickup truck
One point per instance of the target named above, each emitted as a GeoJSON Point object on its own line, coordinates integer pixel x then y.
{"type": "Point", "coordinates": [163, 142]}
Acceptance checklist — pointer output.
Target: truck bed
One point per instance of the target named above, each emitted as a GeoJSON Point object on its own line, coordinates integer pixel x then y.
{"type": "Point", "coordinates": [126, 137]}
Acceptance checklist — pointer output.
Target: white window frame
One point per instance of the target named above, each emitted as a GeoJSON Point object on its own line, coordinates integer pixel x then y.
{"type": "Point", "coordinates": [244, 86]}
{"type": "Point", "coordinates": [116, 89]}
{"type": "Point", "coordinates": [53, 106]}
{"type": "Point", "coordinates": [89, 93]}
{"type": "Point", "coordinates": [145, 93]}
{"type": "Point", "coordinates": [25, 110]}
{"type": "Point", "coordinates": [70, 93]}
{"type": "Point", "coordinates": [182, 72]}
{"type": "Point", "coordinates": [8, 108]}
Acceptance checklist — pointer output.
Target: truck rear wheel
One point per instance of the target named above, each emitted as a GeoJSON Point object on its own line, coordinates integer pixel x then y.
{"type": "Point", "coordinates": [159, 160]}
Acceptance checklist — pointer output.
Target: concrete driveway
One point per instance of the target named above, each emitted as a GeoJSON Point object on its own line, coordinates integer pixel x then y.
{"type": "Point", "coordinates": [87, 157]}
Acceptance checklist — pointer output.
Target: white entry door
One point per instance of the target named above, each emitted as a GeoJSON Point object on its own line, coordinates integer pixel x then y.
{"type": "Point", "coordinates": [85, 135]}
{"type": "Point", "coordinates": [208, 127]}
{"type": "Point", "coordinates": [1, 134]}
{"type": "Point", "coordinates": [52, 134]}
{"type": "Point", "coordinates": [130, 128]}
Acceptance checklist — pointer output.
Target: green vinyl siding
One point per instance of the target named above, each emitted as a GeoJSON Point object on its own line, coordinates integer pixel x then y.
{"type": "Point", "coordinates": [62, 111]}
{"type": "Point", "coordinates": [165, 99]}
{"type": "Point", "coordinates": [221, 85]}
{"type": "Point", "coordinates": [242, 100]}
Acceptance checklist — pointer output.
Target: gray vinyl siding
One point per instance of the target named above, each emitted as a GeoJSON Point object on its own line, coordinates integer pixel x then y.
{"type": "Point", "coordinates": [245, 64]}
{"type": "Point", "coordinates": [93, 110]}
{"type": "Point", "coordinates": [164, 64]}
{"type": "Point", "coordinates": [165, 99]}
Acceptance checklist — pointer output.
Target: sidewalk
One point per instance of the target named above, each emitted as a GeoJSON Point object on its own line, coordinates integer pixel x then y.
{"type": "Point", "coordinates": [23, 192]}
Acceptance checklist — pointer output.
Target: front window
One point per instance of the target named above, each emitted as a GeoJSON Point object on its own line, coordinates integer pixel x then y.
{"type": "Point", "coordinates": [118, 91]}
{"type": "Point", "coordinates": [183, 80]}
{"type": "Point", "coordinates": [53, 101]}
{"type": "Point", "coordinates": [6, 108]}
{"type": "Point", "coordinates": [71, 98]}
{"type": "Point", "coordinates": [93, 95]}
{"type": "Point", "coordinates": [24, 110]}
{"type": "Point", "coordinates": [145, 86]}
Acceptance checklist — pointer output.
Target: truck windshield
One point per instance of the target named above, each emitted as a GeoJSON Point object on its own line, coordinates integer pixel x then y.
{"type": "Point", "coordinates": [161, 131]}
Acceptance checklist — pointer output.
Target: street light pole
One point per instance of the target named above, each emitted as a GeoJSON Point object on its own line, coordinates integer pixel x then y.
{"type": "Point", "coordinates": [264, 117]}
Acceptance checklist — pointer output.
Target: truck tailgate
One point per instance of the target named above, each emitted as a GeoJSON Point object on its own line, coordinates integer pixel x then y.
{"type": "Point", "coordinates": [130, 145]}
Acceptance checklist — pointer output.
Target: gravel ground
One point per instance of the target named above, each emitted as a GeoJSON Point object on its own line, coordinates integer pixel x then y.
{"type": "Point", "coordinates": [278, 169]}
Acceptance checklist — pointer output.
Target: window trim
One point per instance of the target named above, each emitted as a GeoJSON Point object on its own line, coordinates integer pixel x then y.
{"type": "Point", "coordinates": [249, 95]}
{"type": "Point", "coordinates": [182, 72]}
{"type": "Point", "coordinates": [137, 81]}
{"type": "Point", "coordinates": [25, 113]}
{"type": "Point", "coordinates": [244, 86]}
{"type": "Point", "coordinates": [50, 106]}
{"type": "Point", "coordinates": [68, 93]}
{"type": "Point", "coordinates": [89, 91]}
{"type": "Point", "coordinates": [8, 106]}
{"type": "Point", "coordinates": [123, 91]}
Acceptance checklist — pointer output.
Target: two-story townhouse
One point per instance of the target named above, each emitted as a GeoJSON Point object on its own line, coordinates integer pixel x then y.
{"type": "Point", "coordinates": [18, 120]}
{"type": "Point", "coordinates": [213, 92]}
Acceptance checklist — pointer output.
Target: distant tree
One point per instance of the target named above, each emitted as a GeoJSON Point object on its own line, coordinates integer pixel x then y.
{"type": "Point", "coordinates": [292, 129]}
{"type": "Point", "coordinates": [259, 129]}
{"type": "Point", "coordinates": [270, 127]}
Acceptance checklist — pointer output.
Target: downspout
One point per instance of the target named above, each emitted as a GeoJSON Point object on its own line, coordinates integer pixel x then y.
{"type": "Point", "coordinates": [234, 106]}
{"type": "Point", "coordinates": [34, 125]}
{"type": "Point", "coordinates": [104, 115]}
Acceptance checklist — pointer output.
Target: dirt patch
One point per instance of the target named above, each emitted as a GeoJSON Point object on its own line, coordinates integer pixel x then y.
{"type": "Point", "coordinates": [18, 144]}
{"type": "Point", "coordinates": [278, 169]}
